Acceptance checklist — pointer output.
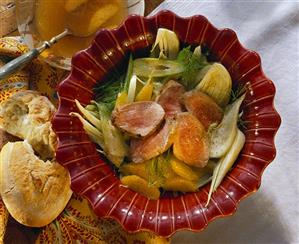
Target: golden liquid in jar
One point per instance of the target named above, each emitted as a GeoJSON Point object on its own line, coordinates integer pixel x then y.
{"type": "Point", "coordinates": [51, 18]}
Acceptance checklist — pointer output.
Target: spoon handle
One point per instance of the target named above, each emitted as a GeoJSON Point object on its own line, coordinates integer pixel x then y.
{"type": "Point", "coordinates": [19, 62]}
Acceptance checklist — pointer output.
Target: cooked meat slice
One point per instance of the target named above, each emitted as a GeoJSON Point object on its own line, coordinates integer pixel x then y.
{"type": "Point", "coordinates": [191, 143]}
{"type": "Point", "coordinates": [152, 146]}
{"type": "Point", "coordinates": [170, 98]}
{"type": "Point", "coordinates": [203, 108]}
{"type": "Point", "coordinates": [138, 119]}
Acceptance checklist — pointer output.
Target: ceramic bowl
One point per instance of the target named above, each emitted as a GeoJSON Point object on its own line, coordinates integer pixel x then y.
{"type": "Point", "coordinates": [96, 181]}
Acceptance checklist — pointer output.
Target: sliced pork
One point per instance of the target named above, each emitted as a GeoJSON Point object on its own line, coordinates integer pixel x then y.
{"type": "Point", "coordinates": [147, 148]}
{"type": "Point", "coordinates": [170, 98]}
{"type": "Point", "coordinates": [138, 119]}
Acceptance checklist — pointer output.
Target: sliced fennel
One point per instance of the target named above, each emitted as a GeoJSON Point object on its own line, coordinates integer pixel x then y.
{"type": "Point", "coordinates": [154, 67]}
{"type": "Point", "coordinates": [129, 73]}
{"type": "Point", "coordinates": [89, 116]}
{"type": "Point", "coordinates": [116, 148]}
{"type": "Point", "coordinates": [108, 137]}
{"type": "Point", "coordinates": [217, 83]}
{"type": "Point", "coordinates": [203, 72]}
{"type": "Point", "coordinates": [197, 51]}
{"type": "Point", "coordinates": [95, 135]}
{"type": "Point", "coordinates": [226, 162]}
{"type": "Point", "coordinates": [132, 88]}
{"type": "Point", "coordinates": [168, 44]}
{"type": "Point", "coordinates": [222, 137]}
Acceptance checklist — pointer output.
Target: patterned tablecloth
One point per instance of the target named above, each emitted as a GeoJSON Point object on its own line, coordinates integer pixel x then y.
{"type": "Point", "coordinates": [77, 223]}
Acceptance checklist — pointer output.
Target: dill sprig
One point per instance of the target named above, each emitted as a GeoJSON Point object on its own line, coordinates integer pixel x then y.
{"type": "Point", "coordinates": [158, 169]}
{"type": "Point", "coordinates": [238, 92]}
{"type": "Point", "coordinates": [107, 91]}
{"type": "Point", "coordinates": [193, 63]}
{"type": "Point", "coordinates": [242, 124]}
{"type": "Point", "coordinates": [235, 94]}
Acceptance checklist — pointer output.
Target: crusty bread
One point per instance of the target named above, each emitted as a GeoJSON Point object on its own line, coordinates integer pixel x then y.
{"type": "Point", "coordinates": [27, 115]}
{"type": "Point", "coordinates": [35, 192]}
{"type": "Point", "coordinates": [5, 137]}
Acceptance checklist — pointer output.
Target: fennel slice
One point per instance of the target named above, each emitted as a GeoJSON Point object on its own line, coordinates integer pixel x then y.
{"type": "Point", "coordinates": [132, 88]}
{"type": "Point", "coordinates": [214, 177]}
{"type": "Point", "coordinates": [217, 83]}
{"type": "Point", "coordinates": [116, 149]}
{"type": "Point", "coordinates": [197, 51]}
{"type": "Point", "coordinates": [94, 134]}
{"type": "Point", "coordinates": [88, 115]}
{"type": "Point", "coordinates": [229, 159]}
{"type": "Point", "coordinates": [154, 67]}
{"type": "Point", "coordinates": [222, 137]}
{"type": "Point", "coordinates": [226, 162]}
{"type": "Point", "coordinates": [168, 43]}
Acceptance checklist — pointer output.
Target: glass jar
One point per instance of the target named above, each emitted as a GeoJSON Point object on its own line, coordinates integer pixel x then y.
{"type": "Point", "coordinates": [40, 20]}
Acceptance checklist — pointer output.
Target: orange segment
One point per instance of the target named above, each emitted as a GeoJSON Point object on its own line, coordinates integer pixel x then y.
{"type": "Point", "coordinates": [191, 143]}
{"type": "Point", "coordinates": [180, 184]}
{"type": "Point", "coordinates": [182, 169]}
{"type": "Point", "coordinates": [141, 186]}
{"type": "Point", "coordinates": [135, 169]}
{"type": "Point", "coordinates": [203, 107]}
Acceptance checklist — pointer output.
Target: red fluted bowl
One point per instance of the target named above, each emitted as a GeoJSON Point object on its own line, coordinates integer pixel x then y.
{"type": "Point", "coordinates": [96, 181]}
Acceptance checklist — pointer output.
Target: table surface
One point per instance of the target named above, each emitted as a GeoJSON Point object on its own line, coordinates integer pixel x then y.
{"type": "Point", "coordinates": [272, 29]}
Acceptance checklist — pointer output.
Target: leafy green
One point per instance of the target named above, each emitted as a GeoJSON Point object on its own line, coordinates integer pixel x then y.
{"type": "Point", "coordinates": [185, 55]}
{"type": "Point", "coordinates": [237, 92]}
{"type": "Point", "coordinates": [193, 64]}
{"type": "Point", "coordinates": [106, 92]}
{"type": "Point", "coordinates": [129, 74]}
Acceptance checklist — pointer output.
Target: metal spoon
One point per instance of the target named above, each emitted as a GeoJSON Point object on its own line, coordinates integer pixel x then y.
{"type": "Point", "coordinates": [19, 62]}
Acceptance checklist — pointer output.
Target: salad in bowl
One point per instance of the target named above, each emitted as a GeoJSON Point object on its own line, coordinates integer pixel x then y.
{"type": "Point", "coordinates": [165, 123]}
{"type": "Point", "coordinates": [170, 122]}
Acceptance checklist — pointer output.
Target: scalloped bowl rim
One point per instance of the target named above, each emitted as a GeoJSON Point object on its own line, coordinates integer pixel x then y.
{"type": "Point", "coordinates": [272, 139]}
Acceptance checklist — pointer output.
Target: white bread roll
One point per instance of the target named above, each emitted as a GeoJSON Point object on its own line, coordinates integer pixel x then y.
{"type": "Point", "coordinates": [35, 192]}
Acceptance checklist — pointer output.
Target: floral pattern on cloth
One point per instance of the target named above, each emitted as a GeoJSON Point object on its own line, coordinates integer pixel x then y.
{"type": "Point", "coordinates": [36, 76]}
{"type": "Point", "coordinates": [77, 223]}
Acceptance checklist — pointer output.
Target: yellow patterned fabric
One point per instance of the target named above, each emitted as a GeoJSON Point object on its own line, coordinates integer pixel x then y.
{"type": "Point", "coordinates": [77, 223]}
{"type": "Point", "coordinates": [3, 220]}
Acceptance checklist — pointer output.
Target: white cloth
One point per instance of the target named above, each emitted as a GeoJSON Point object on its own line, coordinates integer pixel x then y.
{"type": "Point", "coordinates": [272, 29]}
